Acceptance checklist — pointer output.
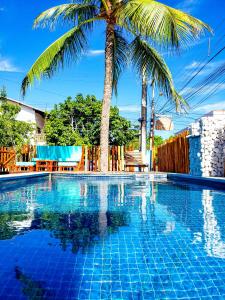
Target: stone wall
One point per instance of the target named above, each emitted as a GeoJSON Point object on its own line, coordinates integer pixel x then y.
{"type": "Point", "coordinates": [195, 155]}
{"type": "Point", "coordinates": [207, 144]}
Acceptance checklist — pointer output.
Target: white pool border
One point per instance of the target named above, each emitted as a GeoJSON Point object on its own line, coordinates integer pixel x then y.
{"type": "Point", "coordinates": [8, 177]}
{"type": "Point", "coordinates": [216, 182]}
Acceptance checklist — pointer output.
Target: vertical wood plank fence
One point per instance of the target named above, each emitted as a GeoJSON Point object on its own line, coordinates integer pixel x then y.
{"type": "Point", "coordinates": [173, 155]}
{"type": "Point", "coordinates": [90, 160]}
{"type": "Point", "coordinates": [115, 162]}
{"type": "Point", "coordinates": [7, 159]}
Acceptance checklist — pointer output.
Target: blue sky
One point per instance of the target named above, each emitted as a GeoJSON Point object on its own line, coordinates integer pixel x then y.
{"type": "Point", "coordinates": [20, 45]}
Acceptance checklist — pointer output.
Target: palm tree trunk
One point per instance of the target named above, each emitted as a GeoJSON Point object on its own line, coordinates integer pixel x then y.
{"type": "Point", "coordinates": [143, 142]}
{"type": "Point", "coordinates": [104, 135]}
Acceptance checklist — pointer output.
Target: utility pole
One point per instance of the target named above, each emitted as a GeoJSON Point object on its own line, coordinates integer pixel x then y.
{"type": "Point", "coordinates": [143, 143]}
{"type": "Point", "coordinates": [152, 126]}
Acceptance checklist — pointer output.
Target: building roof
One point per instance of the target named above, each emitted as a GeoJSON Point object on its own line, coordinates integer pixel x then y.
{"type": "Point", "coordinates": [27, 105]}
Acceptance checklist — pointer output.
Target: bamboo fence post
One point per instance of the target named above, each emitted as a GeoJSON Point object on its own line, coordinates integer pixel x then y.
{"type": "Point", "coordinates": [86, 158]}
{"type": "Point", "coordinates": [119, 159]}
{"type": "Point", "coordinates": [122, 158]}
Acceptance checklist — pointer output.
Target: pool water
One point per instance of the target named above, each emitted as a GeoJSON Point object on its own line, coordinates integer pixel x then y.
{"type": "Point", "coordinates": [66, 238]}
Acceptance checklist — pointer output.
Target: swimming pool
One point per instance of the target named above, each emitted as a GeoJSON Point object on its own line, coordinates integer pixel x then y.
{"type": "Point", "coordinates": [115, 238]}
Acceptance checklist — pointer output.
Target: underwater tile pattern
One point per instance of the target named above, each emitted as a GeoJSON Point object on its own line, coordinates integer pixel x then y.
{"type": "Point", "coordinates": [66, 238]}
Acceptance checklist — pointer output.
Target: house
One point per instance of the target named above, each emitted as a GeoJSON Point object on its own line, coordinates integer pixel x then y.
{"type": "Point", "coordinates": [32, 115]}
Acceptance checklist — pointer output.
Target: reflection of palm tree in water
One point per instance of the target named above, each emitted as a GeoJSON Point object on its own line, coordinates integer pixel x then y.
{"type": "Point", "coordinates": [103, 207]}
{"type": "Point", "coordinates": [32, 289]}
{"type": "Point", "coordinates": [148, 209]}
{"type": "Point", "coordinates": [79, 229]}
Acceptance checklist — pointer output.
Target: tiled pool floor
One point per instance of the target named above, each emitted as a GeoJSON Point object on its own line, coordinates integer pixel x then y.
{"type": "Point", "coordinates": [63, 238]}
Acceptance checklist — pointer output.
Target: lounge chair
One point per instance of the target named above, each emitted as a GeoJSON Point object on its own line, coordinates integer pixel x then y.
{"type": "Point", "coordinates": [67, 165]}
{"type": "Point", "coordinates": [134, 159]}
{"type": "Point", "coordinates": [25, 166]}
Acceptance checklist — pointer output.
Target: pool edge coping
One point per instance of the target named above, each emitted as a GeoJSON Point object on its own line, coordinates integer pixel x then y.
{"type": "Point", "coordinates": [10, 177]}
{"type": "Point", "coordinates": [214, 181]}
{"type": "Point", "coordinates": [217, 182]}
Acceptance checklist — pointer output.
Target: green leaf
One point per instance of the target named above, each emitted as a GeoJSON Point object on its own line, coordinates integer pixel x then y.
{"type": "Point", "coordinates": [66, 13]}
{"type": "Point", "coordinates": [147, 59]}
{"type": "Point", "coordinates": [69, 46]}
{"type": "Point", "coordinates": [165, 25]}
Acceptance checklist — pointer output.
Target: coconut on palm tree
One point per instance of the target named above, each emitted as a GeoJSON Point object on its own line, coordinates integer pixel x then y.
{"type": "Point", "coordinates": [162, 24]}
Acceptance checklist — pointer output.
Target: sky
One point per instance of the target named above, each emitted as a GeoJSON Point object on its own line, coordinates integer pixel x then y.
{"type": "Point", "coordinates": [20, 46]}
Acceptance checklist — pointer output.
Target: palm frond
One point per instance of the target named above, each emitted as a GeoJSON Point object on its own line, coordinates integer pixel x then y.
{"type": "Point", "coordinates": [69, 46]}
{"type": "Point", "coordinates": [147, 59]}
{"type": "Point", "coordinates": [66, 13]}
{"type": "Point", "coordinates": [120, 57]}
{"type": "Point", "coordinates": [165, 25]}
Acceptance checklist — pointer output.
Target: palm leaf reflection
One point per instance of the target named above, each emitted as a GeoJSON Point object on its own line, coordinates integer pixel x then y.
{"type": "Point", "coordinates": [79, 230]}
{"type": "Point", "coordinates": [32, 289]}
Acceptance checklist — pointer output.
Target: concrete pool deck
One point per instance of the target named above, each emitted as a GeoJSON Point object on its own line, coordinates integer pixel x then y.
{"type": "Point", "coordinates": [216, 182]}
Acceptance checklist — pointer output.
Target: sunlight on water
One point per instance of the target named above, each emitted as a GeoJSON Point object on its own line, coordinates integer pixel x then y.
{"type": "Point", "coordinates": [67, 238]}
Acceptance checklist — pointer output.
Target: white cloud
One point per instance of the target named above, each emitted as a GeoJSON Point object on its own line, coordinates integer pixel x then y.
{"type": "Point", "coordinates": [210, 107]}
{"type": "Point", "coordinates": [196, 65]}
{"type": "Point", "coordinates": [95, 52]}
{"type": "Point", "coordinates": [206, 90]}
{"type": "Point", "coordinates": [129, 108]}
{"type": "Point", "coordinates": [188, 5]}
{"type": "Point", "coordinates": [7, 66]}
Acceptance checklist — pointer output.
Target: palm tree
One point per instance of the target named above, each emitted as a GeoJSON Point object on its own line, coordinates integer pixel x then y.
{"type": "Point", "coordinates": [162, 24]}
{"type": "Point", "coordinates": [151, 66]}
{"type": "Point", "coordinates": [144, 96]}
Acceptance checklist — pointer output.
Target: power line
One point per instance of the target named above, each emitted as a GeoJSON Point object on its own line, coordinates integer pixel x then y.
{"type": "Point", "coordinates": [39, 89]}
{"type": "Point", "coordinates": [210, 60]}
{"type": "Point", "coordinates": [194, 74]}
{"type": "Point", "coordinates": [217, 42]}
{"type": "Point", "coordinates": [206, 85]}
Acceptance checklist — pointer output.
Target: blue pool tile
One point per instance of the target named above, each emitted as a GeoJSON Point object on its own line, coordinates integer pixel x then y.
{"type": "Point", "coordinates": [64, 238]}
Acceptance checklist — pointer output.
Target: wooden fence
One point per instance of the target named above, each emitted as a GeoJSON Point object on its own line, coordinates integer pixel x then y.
{"type": "Point", "coordinates": [173, 155]}
{"type": "Point", "coordinates": [7, 159]}
{"type": "Point", "coordinates": [90, 160]}
{"type": "Point", "coordinates": [115, 162]}
{"type": "Point", "coordinates": [9, 156]}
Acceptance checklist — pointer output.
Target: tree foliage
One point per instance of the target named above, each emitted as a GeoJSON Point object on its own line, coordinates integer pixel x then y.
{"type": "Point", "coordinates": [77, 122]}
{"type": "Point", "coordinates": [157, 22]}
{"type": "Point", "coordinates": [12, 132]}
{"type": "Point", "coordinates": [158, 140]}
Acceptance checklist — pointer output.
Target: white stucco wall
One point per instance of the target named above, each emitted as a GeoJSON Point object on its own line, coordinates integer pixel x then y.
{"type": "Point", "coordinates": [26, 114]}
{"type": "Point", "coordinates": [39, 120]}
{"type": "Point", "coordinates": [29, 114]}
{"type": "Point", "coordinates": [34, 117]}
